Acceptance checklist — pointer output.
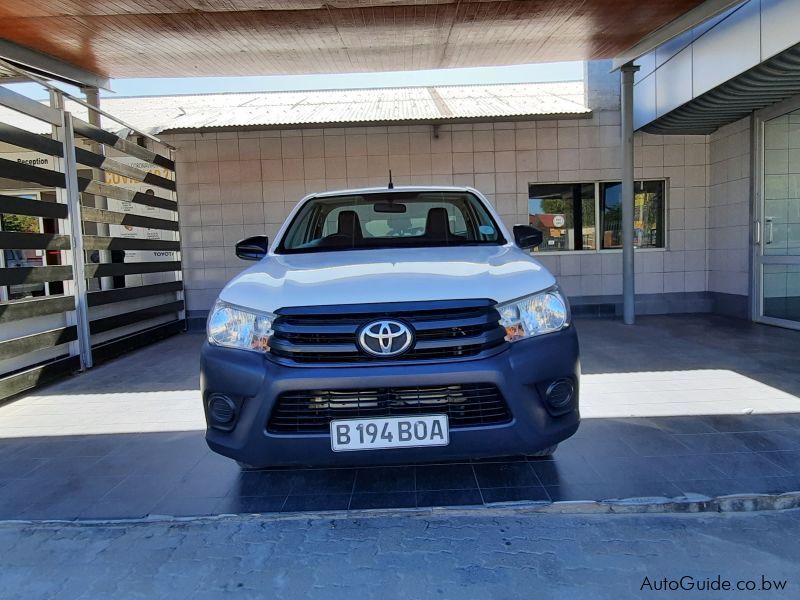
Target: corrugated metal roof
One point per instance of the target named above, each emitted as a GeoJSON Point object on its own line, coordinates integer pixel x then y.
{"type": "Point", "coordinates": [155, 114]}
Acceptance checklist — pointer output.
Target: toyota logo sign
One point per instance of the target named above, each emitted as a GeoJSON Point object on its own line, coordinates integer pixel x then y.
{"type": "Point", "coordinates": [385, 338]}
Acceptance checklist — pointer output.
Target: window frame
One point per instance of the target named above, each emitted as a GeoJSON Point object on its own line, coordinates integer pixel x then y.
{"type": "Point", "coordinates": [597, 216]}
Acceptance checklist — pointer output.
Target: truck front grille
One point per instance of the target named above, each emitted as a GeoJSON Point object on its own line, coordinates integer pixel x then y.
{"type": "Point", "coordinates": [442, 330]}
{"type": "Point", "coordinates": [466, 405]}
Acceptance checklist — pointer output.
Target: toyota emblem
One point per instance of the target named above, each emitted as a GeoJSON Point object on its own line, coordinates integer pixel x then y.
{"type": "Point", "coordinates": [385, 338]}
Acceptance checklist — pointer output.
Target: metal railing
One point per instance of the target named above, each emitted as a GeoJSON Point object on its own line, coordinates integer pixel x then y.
{"type": "Point", "coordinates": [89, 240]}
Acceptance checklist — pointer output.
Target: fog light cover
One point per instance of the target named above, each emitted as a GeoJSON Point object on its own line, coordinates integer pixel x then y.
{"type": "Point", "coordinates": [221, 409]}
{"type": "Point", "coordinates": [559, 394]}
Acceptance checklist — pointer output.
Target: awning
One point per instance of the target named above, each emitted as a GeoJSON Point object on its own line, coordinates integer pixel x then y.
{"type": "Point", "coordinates": [771, 81]}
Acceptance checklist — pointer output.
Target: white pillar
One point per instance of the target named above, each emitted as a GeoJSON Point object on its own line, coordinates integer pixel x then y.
{"type": "Point", "coordinates": [626, 107]}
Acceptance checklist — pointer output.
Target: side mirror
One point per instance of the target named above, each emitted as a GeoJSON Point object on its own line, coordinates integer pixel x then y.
{"type": "Point", "coordinates": [253, 248]}
{"type": "Point", "coordinates": [526, 236]}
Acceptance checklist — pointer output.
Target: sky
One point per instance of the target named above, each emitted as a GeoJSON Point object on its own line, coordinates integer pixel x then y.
{"type": "Point", "coordinates": [564, 71]}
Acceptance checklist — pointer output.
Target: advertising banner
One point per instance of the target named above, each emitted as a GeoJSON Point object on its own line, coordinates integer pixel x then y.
{"type": "Point", "coordinates": [127, 231]}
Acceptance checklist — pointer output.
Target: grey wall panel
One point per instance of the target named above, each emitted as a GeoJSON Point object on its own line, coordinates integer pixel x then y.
{"type": "Point", "coordinates": [722, 48]}
{"type": "Point", "coordinates": [674, 82]}
{"type": "Point", "coordinates": [666, 51]}
{"type": "Point", "coordinates": [644, 102]}
{"type": "Point", "coordinates": [779, 26]}
{"type": "Point", "coordinates": [647, 64]}
{"type": "Point", "coordinates": [727, 50]}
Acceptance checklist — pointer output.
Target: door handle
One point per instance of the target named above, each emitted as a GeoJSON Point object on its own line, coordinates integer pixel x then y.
{"type": "Point", "coordinates": [770, 232]}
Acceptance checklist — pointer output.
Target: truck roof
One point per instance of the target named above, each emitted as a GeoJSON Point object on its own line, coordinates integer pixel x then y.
{"type": "Point", "coordinates": [399, 188]}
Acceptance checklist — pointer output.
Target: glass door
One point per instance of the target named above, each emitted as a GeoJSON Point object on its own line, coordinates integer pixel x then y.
{"type": "Point", "coordinates": [777, 250]}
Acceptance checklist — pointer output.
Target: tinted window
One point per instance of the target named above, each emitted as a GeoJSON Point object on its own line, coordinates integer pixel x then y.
{"type": "Point", "coordinates": [648, 214]}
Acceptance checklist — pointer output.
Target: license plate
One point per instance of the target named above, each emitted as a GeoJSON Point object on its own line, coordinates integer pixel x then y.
{"type": "Point", "coordinates": [390, 432]}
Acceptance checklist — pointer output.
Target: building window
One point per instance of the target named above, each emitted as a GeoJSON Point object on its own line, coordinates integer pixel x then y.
{"type": "Point", "coordinates": [567, 214]}
{"type": "Point", "coordinates": [648, 214]}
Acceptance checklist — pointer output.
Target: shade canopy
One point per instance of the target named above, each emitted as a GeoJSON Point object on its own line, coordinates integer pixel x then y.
{"type": "Point", "coordinates": [176, 38]}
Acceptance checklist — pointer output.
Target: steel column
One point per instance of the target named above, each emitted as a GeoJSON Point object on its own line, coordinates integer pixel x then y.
{"type": "Point", "coordinates": [626, 107]}
{"type": "Point", "coordinates": [73, 198]}
{"type": "Point", "coordinates": [93, 99]}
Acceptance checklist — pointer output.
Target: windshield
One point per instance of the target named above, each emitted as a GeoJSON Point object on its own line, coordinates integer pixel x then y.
{"type": "Point", "coordinates": [390, 220]}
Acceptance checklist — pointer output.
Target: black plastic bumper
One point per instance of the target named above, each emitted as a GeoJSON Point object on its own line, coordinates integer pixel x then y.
{"type": "Point", "coordinates": [522, 372]}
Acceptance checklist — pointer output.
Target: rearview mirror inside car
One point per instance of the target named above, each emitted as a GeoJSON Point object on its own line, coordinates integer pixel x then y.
{"type": "Point", "coordinates": [389, 207]}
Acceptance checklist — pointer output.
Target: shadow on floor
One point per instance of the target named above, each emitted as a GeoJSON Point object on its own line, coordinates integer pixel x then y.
{"type": "Point", "coordinates": [174, 473]}
{"type": "Point", "coordinates": [767, 354]}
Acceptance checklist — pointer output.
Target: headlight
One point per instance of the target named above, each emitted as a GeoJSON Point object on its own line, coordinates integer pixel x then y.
{"type": "Point", "coordinates": [538, 314]}
{"type": "Point", "coordinates": [233, 327]}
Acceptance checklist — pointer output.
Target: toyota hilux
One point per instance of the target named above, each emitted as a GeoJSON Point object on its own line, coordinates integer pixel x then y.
{"type": "Point", "coordinates": [386, 326]}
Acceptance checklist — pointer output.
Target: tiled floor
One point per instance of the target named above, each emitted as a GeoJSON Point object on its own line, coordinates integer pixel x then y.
{"type": "Point", "coordinates": [133, 475]}
{"type": "Point", "coordinates": [122, 440]}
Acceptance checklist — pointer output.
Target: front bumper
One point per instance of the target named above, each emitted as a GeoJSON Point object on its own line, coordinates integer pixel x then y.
{"type": "Point", "coordinates": [522, 371]}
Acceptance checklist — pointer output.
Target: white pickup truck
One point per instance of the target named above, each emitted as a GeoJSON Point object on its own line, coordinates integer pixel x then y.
{"type": "Point", "coordinates": [387, 326]}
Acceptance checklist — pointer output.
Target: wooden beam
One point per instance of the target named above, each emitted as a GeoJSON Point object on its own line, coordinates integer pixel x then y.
{"type": "Point", "coordinates": [18, 275]}
{"type": "Point", "coordinates": [38, 307]}
{"type": "Point", "coordinates": [131, 293]}
{"type": "Point", "coordinates": [17, 240]}
{"type": "Point", "coordinates": [37, 341]}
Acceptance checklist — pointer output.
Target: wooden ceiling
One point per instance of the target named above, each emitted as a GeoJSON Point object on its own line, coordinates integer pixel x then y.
{"type": "Point", "coordinates": [173, 38]}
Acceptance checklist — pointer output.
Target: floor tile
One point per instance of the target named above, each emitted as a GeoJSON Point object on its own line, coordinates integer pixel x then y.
{"type": "Point", "coordinates": [747, 465]}
{"type": "Point", "coordinates": [118, 508]}
{"type": "Point", "coordinates": [709, 443]}
{"type": "Point", "coordinates": [186, 506]}
{"type": "Point", "coordinates": [602, 444]}
{"type": "Point", "coordinates": [384, 479]}
{"type": "Point", "coordinates": [446, 477]}
{"type": "Point", "coordinates": [383, 500]}
{"type": "Point", "coordinates": [15, 468]}
{"type": "Point", "coordinates": [449, 498]}
{"type": "Point", "coordinates": [324, 481]}
{"type": "Point", "coordinates": [656, 443]}
{"type": "Point", "coordinates": [679, 424]}
{"type": "Point", "coordinates": [319, 502]}
{"type": "Point", "coordinates": [766, 441]}
{"type": "Point", "coordinates": [686, 468]}
{"type": "Point", "coordinates": [739, 423]}
{"type": "Point", "coordinates": [788, 460]}
{"type": "Point", "coordinates": [562, 470]}
{"type": "Point", "coordinates": [250, 504]}
{"type": "Point", "coordinates": [620, 490]}
{"type": "Point", "coordinates": [618, 470]}
{"type": "Point", "coordinates": [533, 493]}
{"type": "Point", "coordinates": [263, 483]}
{"type": "Point", "coordinates": [140, 486]}
{"type": "Point", "coordinates": [579, 491]}
{"type": "Point", "coordinates": [516, 474]}
{"type": "Point", "coordinates": [726, 487]}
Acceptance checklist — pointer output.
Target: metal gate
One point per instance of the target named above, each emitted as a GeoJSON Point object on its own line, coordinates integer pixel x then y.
{"type": "Point", "coordinates": [89, 240]}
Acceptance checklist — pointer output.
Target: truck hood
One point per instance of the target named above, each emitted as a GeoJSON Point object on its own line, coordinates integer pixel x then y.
{"type": "Point", "coordinates": [500, 273]}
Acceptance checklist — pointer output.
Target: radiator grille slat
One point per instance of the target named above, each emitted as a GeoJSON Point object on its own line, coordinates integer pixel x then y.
{"type": "Point", "coordinates": [442, 330]}
{"type": "Point", "coordinates": [466, 405]}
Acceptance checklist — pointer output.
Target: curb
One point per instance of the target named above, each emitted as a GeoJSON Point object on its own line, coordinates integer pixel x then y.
{"type": "Point", "coordinates": [695, 504]}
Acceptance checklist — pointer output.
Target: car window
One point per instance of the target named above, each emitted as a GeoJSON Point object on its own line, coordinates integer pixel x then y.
{"type": "Point", "coordinates": [392, 219]}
